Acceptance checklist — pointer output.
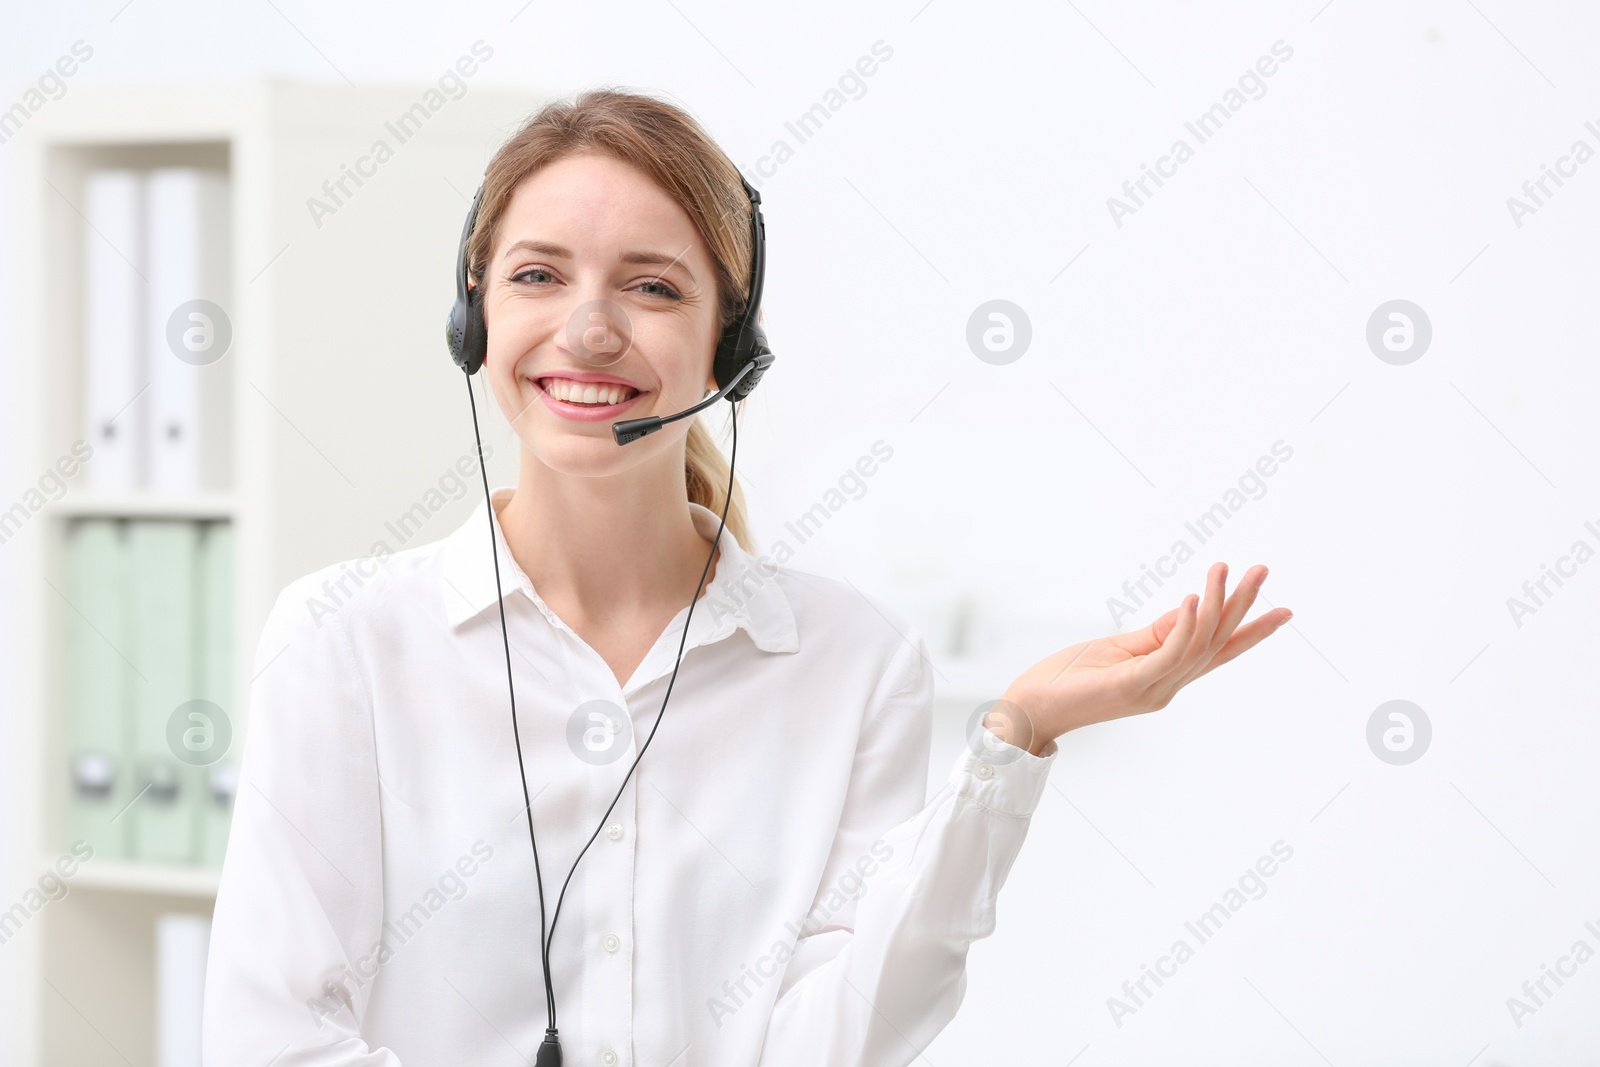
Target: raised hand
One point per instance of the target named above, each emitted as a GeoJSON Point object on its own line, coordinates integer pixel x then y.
{"type": "Point", "coordinates": [1132, 673]}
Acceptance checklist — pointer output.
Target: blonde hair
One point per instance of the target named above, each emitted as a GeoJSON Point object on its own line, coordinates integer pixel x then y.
{"type": "Point", "coordinates": [669, 146]}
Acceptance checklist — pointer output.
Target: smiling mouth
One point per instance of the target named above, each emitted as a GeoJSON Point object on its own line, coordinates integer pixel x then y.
{"type": "Point", "coordinates": [586, 394]}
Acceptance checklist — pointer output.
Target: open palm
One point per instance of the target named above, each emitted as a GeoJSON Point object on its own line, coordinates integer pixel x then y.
{"type": "Point", "coordinates": [1131, 673]}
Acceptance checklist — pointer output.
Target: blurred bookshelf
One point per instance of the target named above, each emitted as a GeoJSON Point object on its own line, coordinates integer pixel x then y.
{"type": "Point", "coordinates": [154, 879]}
{"type": "Point", "coordinates": [197, 506]}
{"type": "Point", "coordinates": [324, 413]}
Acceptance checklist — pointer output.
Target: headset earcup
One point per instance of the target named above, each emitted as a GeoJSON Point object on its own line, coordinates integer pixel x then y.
{"type": "Point", "coordinates": [725, 364]}
{"type": "Point", "coordinates": [455, 335]}
{"type": "Point", "coordinates": [464, 331]}
{"type": "Point", "coordinates": [735, 351]}
{"type": "Point", "coordinates": [466, 335]}
{"type": "Point", "coordinates": [477, 339]}
{"type": "Point", "coordinates": [762, 358]}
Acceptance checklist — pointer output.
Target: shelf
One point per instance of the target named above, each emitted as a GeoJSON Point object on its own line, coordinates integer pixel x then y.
{"type": "Point", "coordinates": [143, 506]}
{"type": "Point", "coordinates": [310, 388]}
{"type": "Point", "coordinates": [149, 878]}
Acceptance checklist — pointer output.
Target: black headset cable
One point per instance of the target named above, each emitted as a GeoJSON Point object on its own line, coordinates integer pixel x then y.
{"type": "Point", "coordinates": [550, 1050]}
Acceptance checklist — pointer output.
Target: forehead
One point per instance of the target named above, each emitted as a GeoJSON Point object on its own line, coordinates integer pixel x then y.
{"type": "Point", "coordinates": [596, 204]}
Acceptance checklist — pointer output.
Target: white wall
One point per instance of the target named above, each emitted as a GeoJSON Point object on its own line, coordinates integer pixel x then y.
{"type": "Point", "coordinates": [1226, 314]}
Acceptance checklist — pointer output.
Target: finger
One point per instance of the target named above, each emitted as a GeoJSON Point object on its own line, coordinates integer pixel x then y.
{"type": "Point", "coordinates": [1159, 664]}
{"type": "Point", "coordinates": [1233, 611]}
{"type": "Point", "coordinates": [1146, 640]}
{"type": "Point", "coordinates": [1239, 604]}
{"type": "Point", "coordinates": [1210, 613]}
{"type": "Point", "coordinates": [1248, 636]}
{"type": "Point", "coordinates": [1237, 607]}
{"type": "Point", "coordinates": [1199, 650]}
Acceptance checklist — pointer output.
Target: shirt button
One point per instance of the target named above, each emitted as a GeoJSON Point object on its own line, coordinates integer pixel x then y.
{"type": "Point", "coordinates": [608, 1058]}
{"type": "Point", "coordinates": [984, 771]}
{"type": "Point", "coordinates": [612, 942]}
{"type": "Point", "coordinates": [614, 831]}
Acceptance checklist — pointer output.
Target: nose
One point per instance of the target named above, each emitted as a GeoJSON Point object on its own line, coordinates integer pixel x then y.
{"type": "Point", "coordinates": [599, 332]}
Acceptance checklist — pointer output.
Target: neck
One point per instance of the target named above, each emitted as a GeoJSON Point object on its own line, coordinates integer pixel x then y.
{"type": "Point", "coordinates": [607, 546]}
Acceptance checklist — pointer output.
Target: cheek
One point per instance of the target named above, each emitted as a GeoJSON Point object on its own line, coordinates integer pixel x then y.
{"type": "Point", "coordinates": [515, 330]}
{"type": "Point", "coordinates": [679, 351]}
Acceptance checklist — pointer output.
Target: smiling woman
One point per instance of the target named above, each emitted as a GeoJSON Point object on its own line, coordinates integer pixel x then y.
{"type": "Point", "coordinates": [588, 158]}
{"type": "Point", "coordinates": [612, 266]}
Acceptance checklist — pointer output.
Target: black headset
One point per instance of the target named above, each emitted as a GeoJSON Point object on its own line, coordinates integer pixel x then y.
{"type": "Point", "coordinates": [741, 359]}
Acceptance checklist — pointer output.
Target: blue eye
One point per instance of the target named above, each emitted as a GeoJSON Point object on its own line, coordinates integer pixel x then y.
{"type": "Point", "coordinates": [531, 270]}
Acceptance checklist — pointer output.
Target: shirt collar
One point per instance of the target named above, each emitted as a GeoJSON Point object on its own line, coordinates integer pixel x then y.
{"type": "Point", "coordinates": [743, 592]}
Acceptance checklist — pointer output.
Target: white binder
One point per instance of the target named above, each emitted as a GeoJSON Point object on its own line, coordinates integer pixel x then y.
{"type": "Point", "coordinates": [182, 941]}
{"type": "Point", "coordinates": [186, 218]}
{"type": "Point", "coordinates": [113, 302]}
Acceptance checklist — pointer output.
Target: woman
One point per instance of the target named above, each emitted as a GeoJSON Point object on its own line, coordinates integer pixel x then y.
{"type": "Point", "coordinates": [768, 886]}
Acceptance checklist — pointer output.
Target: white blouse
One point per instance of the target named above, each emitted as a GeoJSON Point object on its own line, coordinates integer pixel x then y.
{"type": "Point", "coordinates": [771, 887]}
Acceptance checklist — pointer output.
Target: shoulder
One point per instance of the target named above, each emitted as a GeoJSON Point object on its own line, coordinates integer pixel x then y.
{"type": "Point", "coordinates": [840, 599]}
{"type": "Point", "coordinates": [344, 602]}
{"type": "Point", "coordinates": [852, 621]}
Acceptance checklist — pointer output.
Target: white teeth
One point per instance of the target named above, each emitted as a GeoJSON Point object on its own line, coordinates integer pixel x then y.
{"type": "Point", "coordinates": [585, 392]}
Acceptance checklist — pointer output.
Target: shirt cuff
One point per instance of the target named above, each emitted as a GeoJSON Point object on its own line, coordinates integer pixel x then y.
{"type": "Point", "coordinates": [1002, 777]}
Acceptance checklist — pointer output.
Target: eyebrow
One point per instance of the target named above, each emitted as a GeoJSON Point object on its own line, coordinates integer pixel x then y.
{"type": "Point", "coordinates": [555, 251]}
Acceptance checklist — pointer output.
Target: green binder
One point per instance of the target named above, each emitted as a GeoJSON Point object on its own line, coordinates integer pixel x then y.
{"type": "Point", "coordinates": [214, 607]}
{"type": "Point", "coordinates": [161, 559]}
{"type": "Point", "coordinates": [100, 778]}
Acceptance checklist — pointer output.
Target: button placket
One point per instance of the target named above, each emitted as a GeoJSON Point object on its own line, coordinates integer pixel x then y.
{"type": "Point", "coordinates": [608, 964]}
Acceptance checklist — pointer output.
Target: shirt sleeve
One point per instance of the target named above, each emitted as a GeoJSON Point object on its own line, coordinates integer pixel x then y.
{"type": "Point", "coordinates": [879, 967]}
{"type": "Point", "coordinates": [299, 907]}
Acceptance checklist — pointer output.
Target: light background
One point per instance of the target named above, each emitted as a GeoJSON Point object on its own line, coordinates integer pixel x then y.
{"type": "Point", "coordinates": [1168, 354]}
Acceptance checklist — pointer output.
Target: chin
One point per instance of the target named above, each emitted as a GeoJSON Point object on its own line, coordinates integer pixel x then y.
{"type": "Point", "coordinates": [580, 455]}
